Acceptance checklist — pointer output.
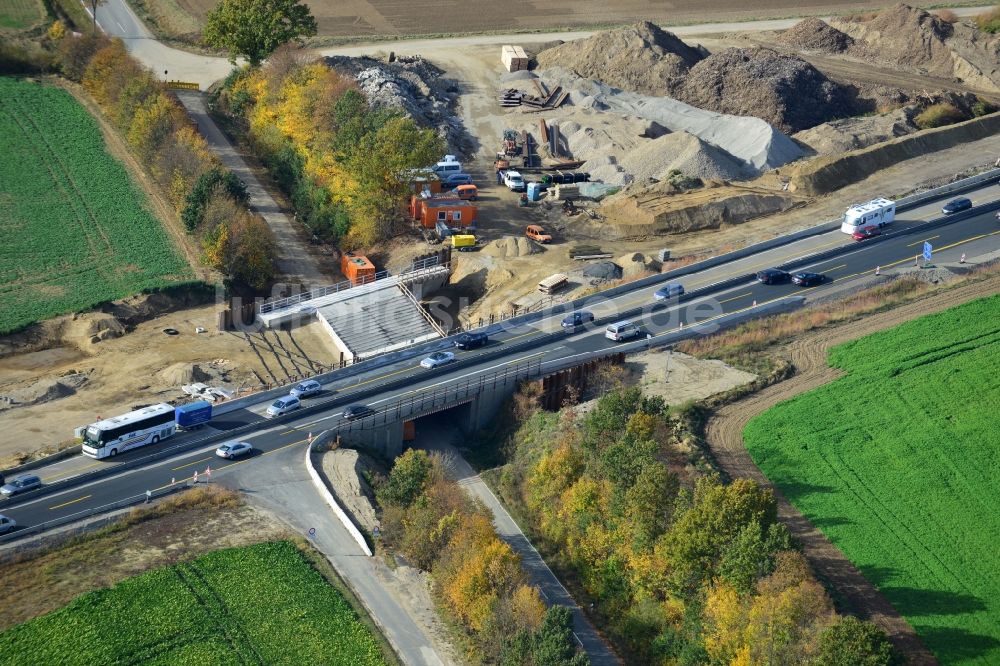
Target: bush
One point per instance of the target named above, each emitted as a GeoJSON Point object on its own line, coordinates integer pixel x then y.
{"type": "Point", "coordinates": [983, 108]}
{"type": "Point", "coordinates": [989, 21]}
{"type": "Point", "coordinates": [947, 15]}
{"type": "Point", "coordinates": [939, 115]}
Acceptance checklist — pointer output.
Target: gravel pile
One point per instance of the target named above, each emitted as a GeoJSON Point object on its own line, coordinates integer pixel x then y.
{"type": "Point", "coordinates": [839, 136]}
{"type": "Point", "coordinates": [603, 270]}
{"type": "Point", "coordinates": [813, 34]}
{"type": "Point", "coordinates": [510, 247]}
{"type": "Point", "coordinates": [748, 140]}
{"type": "Point", "coordinates": [781, 89]}
{"type": "Point", "coordinates": [412, 85]}
{"type": "Point", "coordinates": [640, 57]}
{"type": "Point", "coordinates": [685, 153]}
{"type": "Point", "coordinates": [519, 75]}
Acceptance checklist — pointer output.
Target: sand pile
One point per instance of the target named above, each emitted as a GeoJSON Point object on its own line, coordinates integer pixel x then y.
{"type": "Point", "coordinates": [42, 390]}
{"type": "Point", "coordinates": [510, 247]}
{"type": "Point", "coordinates": [184, 373]}
{"type": "Point", "coordinates": [686, 153]}
{"type": "Point", "coordinates": [781, 89]}
{"type": "Point", "coordinates": [914, 40]}
{"type": "Point", "coordinates": [749, 140]}
{"type": "Point", "coordinates": [813, 34]}
{"type": "Point", "coordinates": [640, 57]}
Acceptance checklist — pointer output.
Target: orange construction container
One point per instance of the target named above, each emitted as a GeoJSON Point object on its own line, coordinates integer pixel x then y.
{"type": "Point", "coordinates": [357, 268]}
{"type": "Point", "coordinates": [429, 182]}
{"type": "Point", "coordinates": [409, 431]}
{"type": "Point", "coordinates": [453, 212]}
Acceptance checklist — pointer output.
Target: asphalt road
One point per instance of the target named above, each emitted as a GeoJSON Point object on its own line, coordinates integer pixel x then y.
{"type": "Point", "coordinates": [974, 236]}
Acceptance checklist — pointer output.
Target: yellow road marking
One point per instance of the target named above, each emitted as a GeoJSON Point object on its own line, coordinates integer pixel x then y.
{"type": "Point", "coordinates": [191, 463]}
{"type": "Point", "coordinates": [736, 297]}
{"type": "Point", "coordinates": [78, 499]}
{"type": "Point", "coordinates": [827, 270]}
{"type": "Point", "coordinates": [239, 462]}
{"type": "Point", "coordinates": [920, 242]}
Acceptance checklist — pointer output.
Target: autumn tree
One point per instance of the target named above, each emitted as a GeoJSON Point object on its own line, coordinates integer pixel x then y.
{"type": "Point", "coordinates": [851, 642]}
{"type": "Point", "coordinates": [253, 29]}
{"type": "Point", "coordinates": [406, 480]}
{"type": "Point", "coordinates": [243, 249]}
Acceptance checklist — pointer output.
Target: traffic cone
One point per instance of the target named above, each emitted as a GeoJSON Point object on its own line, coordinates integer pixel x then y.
{"type": "Point", "coordinates": [754, 304]}
{"type": "Point", "coordinates": [195, 477]}
{"type": "Point", "coordinates": [916, 260]}
{"type": "Point", "coordinates": [208, 473]}
{"type": "Point", "coordinates": [310, 438]}
{"type": "Point", "coordinates": [962, 260]}
{"type": "Point", "coordinates": [172, 481]}
{"type": "Point", "coordinates": [878, 270]}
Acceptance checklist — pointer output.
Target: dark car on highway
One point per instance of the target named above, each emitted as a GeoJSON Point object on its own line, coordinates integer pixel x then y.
{"type": "Point", "coordinates": [577, 319]}
{"type": "Point", "coordinates": [352, 412]}
{"type": "Point", "coordinates": [471, 340]}
{"type": "Point", "coordinates": [806, 279]}
{"type": "Point", "coordinates": [865, 234]}
{"type": "Point", "coordinates": [957, 206]}
{"type": "Point", "coordinates": [772, 276]}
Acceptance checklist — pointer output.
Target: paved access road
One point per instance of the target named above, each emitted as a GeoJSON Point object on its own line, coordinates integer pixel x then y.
{"type": "Point", "coordinates": [973, 236]}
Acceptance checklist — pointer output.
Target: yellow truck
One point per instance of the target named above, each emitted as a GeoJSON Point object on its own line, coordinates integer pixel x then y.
{"type": "Point", "coordinates": [463, 242]}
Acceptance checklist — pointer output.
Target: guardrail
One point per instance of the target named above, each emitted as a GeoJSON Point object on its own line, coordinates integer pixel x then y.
{"type": "Point", "coordinates": [22, 532]}
{"type": "Point", "coordinates": [319, 292]}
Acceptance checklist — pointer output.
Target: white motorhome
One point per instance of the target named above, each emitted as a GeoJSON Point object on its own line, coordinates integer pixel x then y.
{"type": "Point", "coordinates": [875, 213]}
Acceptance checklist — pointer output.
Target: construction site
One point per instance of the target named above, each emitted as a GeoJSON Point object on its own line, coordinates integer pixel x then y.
{"type": "Point", "coordinates": [616, 156]}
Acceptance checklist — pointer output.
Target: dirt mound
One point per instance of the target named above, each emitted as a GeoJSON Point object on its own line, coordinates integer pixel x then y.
{"type": "Point", "coordinates": [685, 153]}
{"type": "Point", "coordinates": [640, 57]}
{"type": "Point", "coordinates": [43, 390]}
{"type": "Point", "coordinates": [840, 136]}
{"type": "Point", "coordinates": [344, 469]}
{"type": "Point", "coordinates": [510, 247]}
{"type": "Point", "coordinates": [813, 34]}
{"type": "Point", "coordinates": [913, 40]}
{"type": "Point", "coordinates": [92, 327]}
{"type": "Point", "coordinates": [184, 373]}
{"type": "Point", "coordinates": [782, 89]}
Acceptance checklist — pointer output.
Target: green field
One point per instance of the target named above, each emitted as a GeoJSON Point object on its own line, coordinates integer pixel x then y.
{"type": "Point", "coordinates": [76, 230]}
{"type": "Point", "coordinates": [899, 464]}
{"type": "Point", "coordinates": [20, 14]}
{"type": "Point", "coordinates": [263, 604]}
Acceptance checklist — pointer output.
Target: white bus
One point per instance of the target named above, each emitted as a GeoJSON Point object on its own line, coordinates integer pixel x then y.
{"type": "Point", "coordinates": [876, 213]}
{"type": "Point", "coordinates": [148, 425]}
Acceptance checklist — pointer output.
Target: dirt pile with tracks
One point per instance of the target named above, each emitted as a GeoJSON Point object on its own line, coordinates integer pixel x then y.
{"type": "Point", "coordinates": [782, 89]}
{"type": "Point", "coordinates": [914, 40]}
{"type": "Point", "coordinates": [641, 57]}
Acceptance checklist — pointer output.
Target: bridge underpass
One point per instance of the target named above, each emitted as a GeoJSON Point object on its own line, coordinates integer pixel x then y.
{"type": "Point", "coordinates": [471, 404]}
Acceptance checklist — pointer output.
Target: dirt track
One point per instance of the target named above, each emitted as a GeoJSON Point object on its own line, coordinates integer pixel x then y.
{"type": "Point", "coordinates": [724, 436]}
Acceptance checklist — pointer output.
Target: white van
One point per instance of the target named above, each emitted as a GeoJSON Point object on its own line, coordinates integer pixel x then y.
{"type": "Point", "coordinates": [622, 330]}
{"type": "Point", "coordinates": [283, 405]}
{"type": "Point", "coordinates": [443, 169]}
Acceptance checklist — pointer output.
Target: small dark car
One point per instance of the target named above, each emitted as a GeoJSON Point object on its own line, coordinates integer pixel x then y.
{"type": "Point", "coordinates": [352, 412]}
{"type": "Point", "coordinates": [471, 340]}
{"type": "Point", "coordinates": [577, 319]}
{"type": "Point", "coordinates": [957, 206]}
{"type": "Point", "coordinates": [865, 234]}
{"type": "Point", "coordinates": [807, 279]}
{"type": "Point", "coordinates": [772, 276]}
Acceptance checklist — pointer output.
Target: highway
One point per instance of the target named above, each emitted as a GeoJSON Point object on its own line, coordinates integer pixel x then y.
{"type": "Point", "coordinates": [975, 236]}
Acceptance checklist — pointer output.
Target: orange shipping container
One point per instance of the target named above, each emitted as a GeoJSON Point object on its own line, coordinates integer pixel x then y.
{"type": "Point", "coordinates": [453, 212]}
{"type": "Point", "coordinates": [357, 268]}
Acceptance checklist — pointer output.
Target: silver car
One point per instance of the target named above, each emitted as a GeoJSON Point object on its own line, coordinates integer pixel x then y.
{"type": "Point", "coordinates": [231, 450]}
{"type": "Point", "coordinates": [306, 388]}
{"type": "Point", "coordinates": [6, 524]}
{"type": "Point", "coordinates": [21, 484]}
{"type": "Point", "coordinates": [438, 358]}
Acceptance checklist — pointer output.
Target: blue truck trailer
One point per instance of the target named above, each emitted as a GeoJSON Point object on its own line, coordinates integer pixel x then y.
{"type": "Point", "coordinates": [193, 415]}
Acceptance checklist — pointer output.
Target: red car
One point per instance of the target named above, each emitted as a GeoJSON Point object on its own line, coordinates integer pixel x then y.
{"type": "Point", "coordinates": [865, 234]}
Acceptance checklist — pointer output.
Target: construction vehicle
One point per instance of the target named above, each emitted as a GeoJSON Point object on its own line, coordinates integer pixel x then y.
{"type": "Point", "coordinates": [501, 163]}
{"type": "Point", "coordinates": [509, 145]}
{"type": "Point", "coordinates": [463, 242]}
{"type": "Point", "coordinates": [537, 234]}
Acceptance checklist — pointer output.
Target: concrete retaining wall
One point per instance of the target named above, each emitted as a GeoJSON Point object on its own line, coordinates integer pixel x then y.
{"type": "Point", "coordinates": [330, 499]}
{"type": "Point", "coordinates": [827, 174]}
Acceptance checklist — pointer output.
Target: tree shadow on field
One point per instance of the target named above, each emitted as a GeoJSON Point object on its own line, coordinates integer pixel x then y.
{"type": "Point", "coordinates": [915, 602]}
{"type": "Point", "coordinates": [796, 490]}
{"type": "Point", "coordinates": [831, 521]}
{"type": "Point", "coordinates": [952, 645]}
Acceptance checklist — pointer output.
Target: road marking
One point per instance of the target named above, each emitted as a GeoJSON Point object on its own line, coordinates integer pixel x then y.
{"type": "Point", "coordinates": [827, 270]}
{"type": "Point", "coordinates": [921, 242]}
{"type": "Point", "coordinates": [736, 297]}
{"type": "Point", "coordinates": [190, 463]}
{"type": "Point", "coordinates": [74, 472]}
{"type": "Point", "coordinates": [120, 25]}
{"type": "Point", "coordinates": [238, 462]}
{"type": "Point", "coordinates": [78, 499]}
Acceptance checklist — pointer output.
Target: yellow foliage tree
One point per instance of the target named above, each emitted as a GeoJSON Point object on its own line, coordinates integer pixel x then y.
{"type": "Point", "coordinates": [528, 607]}
{"type": "Point", "coordinates": [152, 124]}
